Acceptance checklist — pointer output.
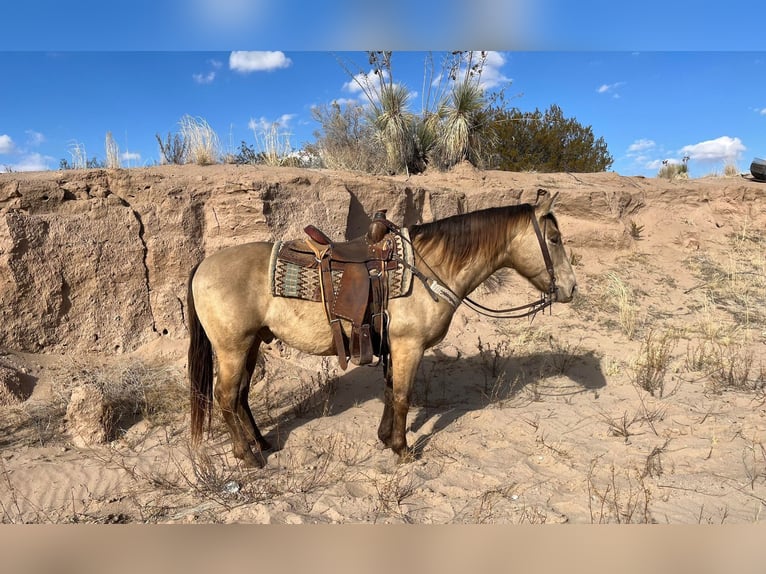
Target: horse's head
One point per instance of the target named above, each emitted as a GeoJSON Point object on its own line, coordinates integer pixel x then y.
{"type": "Point", "coordinates": [540, 254]}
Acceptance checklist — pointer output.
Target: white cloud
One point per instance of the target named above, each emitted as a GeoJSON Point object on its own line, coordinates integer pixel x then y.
{"type": "Point", "coordinates": [32, 162]}
{"type": "Point", "coordinates": [204, 78]}
{"type": "Point", "coordinates": [262, 124]}
{"type": "Point", "coordinates": [762, 111]}
{"type": "Point", "coordinates": [610, 89]}
{"type": "Point", "coordinates": [247, 62]}
{"type": "Point", "coordinates": [641, 145]}
{"type": "Point", "coordinates": [6, 144]}
{"type": "Point", "coordinates": [491, 76]}
{"type": "Point", "coordinates": [34, 138]}
{"type": "Point", "coordinates": [364, 81]}
{"type": "Point", "coordinates": [130, 156]}
{"type": "Point", "coordinates": [720, 149]}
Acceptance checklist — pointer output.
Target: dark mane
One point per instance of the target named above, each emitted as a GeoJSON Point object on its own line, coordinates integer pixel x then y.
{"type": "Point", "coordinates": [458, 239]}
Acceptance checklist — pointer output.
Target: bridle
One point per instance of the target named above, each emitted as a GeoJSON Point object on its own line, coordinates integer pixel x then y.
{"type": "Point", "coordinates": [530, 309]}
{"type": "Point", "coordinates": [438, 289]}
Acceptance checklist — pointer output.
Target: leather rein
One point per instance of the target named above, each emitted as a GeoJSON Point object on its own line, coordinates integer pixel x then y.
{"type": "Point", "coordinates": [438, 289]}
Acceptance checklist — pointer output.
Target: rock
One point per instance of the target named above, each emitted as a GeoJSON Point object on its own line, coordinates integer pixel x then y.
{"type": "Point", "coordinates": [98, 261]}
{"type": "Point", "coordinates": [87, 416]}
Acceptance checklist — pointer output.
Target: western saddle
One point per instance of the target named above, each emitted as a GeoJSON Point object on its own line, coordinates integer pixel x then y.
{"type": "Point", "coordinates": [361, 294]}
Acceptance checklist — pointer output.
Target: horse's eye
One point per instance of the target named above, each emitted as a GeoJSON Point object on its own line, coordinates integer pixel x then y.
{"type": "Point", "coordinates": [555, 239]}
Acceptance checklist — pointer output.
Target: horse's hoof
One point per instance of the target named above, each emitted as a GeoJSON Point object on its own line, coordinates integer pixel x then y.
{"type": "Point", "coordinates": [251, 460]}
{"type": "Point", "coordinates": [405, 455]}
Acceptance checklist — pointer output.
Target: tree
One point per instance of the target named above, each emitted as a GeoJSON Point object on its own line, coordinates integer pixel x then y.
{"type": "Point", "coordinates": [546, 142]}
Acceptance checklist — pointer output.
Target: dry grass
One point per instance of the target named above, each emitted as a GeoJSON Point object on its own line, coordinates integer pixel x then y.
{"type": "Point", "coordinates": [273, 143]}
{"type": "Point", "coordinates": [202, 144]}
{"type": "Point", "coordinates": [622, 297]}
{"type": "Point", "coordinates": [78, 154]}
{"type": "Point", "coordinates": [620, 497]}
{"type": "Point", "coordinates": [652, 364]}
{"type": "Point", "coordinates": [112, 152]}
{"type": "Point", "coordinates": [134, 389]}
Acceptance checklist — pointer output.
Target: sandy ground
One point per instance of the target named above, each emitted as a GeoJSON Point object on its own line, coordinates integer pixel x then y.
{"type": "Point", "coordinates": [642, 401]}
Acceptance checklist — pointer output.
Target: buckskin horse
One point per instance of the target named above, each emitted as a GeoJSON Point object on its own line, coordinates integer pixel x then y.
{"type": "Point", "coordinates": [232, 310]}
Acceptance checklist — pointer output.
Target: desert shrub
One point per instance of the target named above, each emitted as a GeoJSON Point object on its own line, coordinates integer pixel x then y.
{"type": "Point", "coordinates": [674, 170]}
{"type": "Point", "coordinates": [346, 140]}
{"type": "Point", "coordinates": [452, 127]}
{"type": "Point", "coordinates": [173, 149]}
{"type": "Point", "coordinates": [545, 142]}
{"type": "Point", "coordinates": [79, 158]}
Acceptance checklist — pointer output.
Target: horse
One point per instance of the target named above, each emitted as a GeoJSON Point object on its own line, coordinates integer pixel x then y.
{"type": "Point", "coordinates": [231, 311]}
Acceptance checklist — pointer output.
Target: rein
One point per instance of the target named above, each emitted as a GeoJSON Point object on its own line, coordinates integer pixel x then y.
{"type": "Point", "coordinates": [438, 289]}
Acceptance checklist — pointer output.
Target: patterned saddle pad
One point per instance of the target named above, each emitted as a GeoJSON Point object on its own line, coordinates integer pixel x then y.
{"type": "Point", "coordinates": [300, 279]}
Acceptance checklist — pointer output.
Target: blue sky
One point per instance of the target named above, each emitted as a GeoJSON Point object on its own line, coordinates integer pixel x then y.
{"type": "Point", "coordinates": [656, 79]}
{"type": "Point", "coordinates": [648, 106]}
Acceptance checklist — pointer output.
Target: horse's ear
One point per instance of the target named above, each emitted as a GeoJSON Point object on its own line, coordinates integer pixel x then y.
{"type": "Point", "coordinates": [546, 206]}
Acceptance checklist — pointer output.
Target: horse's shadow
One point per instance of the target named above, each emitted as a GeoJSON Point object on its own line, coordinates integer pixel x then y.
{"type": "Point", "coordinates": [446, 388]}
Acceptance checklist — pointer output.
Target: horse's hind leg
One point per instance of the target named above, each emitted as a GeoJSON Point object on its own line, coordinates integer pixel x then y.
{"type": "Point", "coordinates": [254, 436]}
{"type": "Point", "coordinates": [232, 377]}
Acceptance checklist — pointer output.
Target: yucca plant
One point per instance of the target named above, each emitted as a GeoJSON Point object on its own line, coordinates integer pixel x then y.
{"type": "Point", "coordinates": [459, 134]}
{"type": "Point", "coordinates": [394, 125]}
{"type": "Point", "coordinates": [461, 112]}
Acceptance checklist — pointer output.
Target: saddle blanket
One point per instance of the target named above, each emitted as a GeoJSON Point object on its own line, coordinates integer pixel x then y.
{"type": "Point", "coordinates": [301, 281]}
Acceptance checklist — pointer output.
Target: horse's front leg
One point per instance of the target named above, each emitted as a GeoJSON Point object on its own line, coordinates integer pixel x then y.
{"type": "Point", "coordinates": [406, 357]}
{"type": "Point", "coordinates": [387, 420]}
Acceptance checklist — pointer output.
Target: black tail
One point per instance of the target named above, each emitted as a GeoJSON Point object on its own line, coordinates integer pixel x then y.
{"type": "Point", "coordinates": [200, 369]}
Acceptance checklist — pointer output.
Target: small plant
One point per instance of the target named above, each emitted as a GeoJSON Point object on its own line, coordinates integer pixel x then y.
{"type": "Point", "coordinates": [563, 355]}
{"type": "Point", "coordinates": [653, 467]}
{"type": "Point", "coordinates": [653, 362]}
{"type": "Point", "coordinates": [624, 498]}
{"type": "Point", "coordinates": [730, 368]}
{"type": "Point", "coordinates": [315, 396]}
{"type": "Point", "coordinates": [173, 149]}
{"type": "Point", "coordinates": [620, 427]}
{"type": "Point", "coordinates": [392, 491]}
{"type": "Point", "coordinates": [636, 230]}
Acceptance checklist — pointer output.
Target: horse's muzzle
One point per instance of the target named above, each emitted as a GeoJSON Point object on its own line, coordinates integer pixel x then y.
{"type": "Point", "coordinates": [564, 295]}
